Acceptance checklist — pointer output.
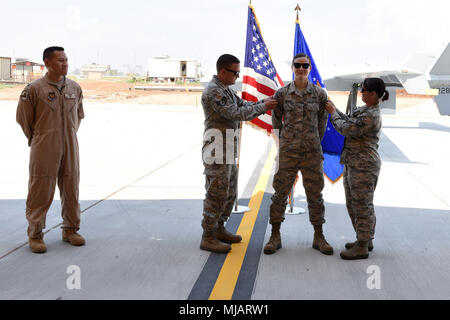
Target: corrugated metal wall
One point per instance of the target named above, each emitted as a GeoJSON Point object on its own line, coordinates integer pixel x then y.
{"type": "Point", "coordinates": [5, 68]}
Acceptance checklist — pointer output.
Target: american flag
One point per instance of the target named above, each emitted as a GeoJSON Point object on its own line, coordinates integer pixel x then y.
{"type": "Point", "coordinates": [260, 79]}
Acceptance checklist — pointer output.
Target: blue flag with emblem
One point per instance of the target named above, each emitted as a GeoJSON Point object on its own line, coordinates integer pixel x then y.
{"type": "Point", "coordinates": [332, 141]}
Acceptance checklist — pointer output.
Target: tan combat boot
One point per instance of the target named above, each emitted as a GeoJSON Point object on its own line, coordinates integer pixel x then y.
{"type": "Point", "coordinates": [223, 235]}
{"type": "Point", "coordinates": [37, 245]}
{"type": "Point", "coordinates": [319, 242]}
{"type": "Point", "coordinates": [350, 245]}
{"type": "Point", "coordinates": [274, 242]}
{"type": "Point", "coordinates": [71, 236]}
{"type": "Point", "coordinates": [210, 243]}
{"type": "Point", "coordinates": [358, 251]}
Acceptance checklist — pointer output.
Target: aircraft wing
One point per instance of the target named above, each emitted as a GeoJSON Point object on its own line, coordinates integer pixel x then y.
{"type": "Point", "coordinates": [412, 80]}
{"type": "Point", "coordinates": [412, 75]}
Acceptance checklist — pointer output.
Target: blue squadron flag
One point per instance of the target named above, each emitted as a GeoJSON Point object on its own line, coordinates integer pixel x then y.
{"type": "Point", "coordinates": [333, 141]}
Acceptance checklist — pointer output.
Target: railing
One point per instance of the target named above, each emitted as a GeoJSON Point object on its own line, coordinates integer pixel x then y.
{"type": "Point", "coordinates": [25, 78]}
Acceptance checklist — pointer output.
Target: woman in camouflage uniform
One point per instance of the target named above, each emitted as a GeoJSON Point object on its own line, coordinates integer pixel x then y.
{"type": "Point", "coordinates": [362, 163]}
{"type": "Point", "coordinates": [302, 119]}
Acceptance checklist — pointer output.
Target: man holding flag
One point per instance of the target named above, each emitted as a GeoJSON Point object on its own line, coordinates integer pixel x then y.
{"type": "Point", "coordinates": [301, 118]}
{"type": "Point", "coordinates": [223, 111]}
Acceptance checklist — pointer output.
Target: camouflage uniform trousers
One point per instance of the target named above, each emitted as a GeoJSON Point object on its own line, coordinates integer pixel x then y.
{"type": "Point", "coordinates": [359, 186]}
{"type": "Point", "coordinates": [313, 182]}
{"type": "Point", "coordinates": [221, 188]}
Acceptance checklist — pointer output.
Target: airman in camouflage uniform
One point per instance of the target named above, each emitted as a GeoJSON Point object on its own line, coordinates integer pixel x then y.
{"type": "Point", "coordinates": [362, 165]}
{"type": "Point", "coordinates": [301, 118]}
{"type": "Point", "coordinates": [223, 111]}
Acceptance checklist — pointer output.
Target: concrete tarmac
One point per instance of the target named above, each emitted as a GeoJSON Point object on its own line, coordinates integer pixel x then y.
{"type": "Point", "coordinates": [142, 190]}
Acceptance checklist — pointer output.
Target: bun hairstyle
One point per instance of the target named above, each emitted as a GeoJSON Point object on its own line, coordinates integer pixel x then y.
{"type": "Point", "coordinates": [377, 85]}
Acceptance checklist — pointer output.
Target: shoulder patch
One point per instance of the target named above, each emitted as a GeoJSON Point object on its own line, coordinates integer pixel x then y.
{"type": "Point", "coordinates": [24, 95]}
{"type": "Point", "coordinates": [223, 101]}
{"type": "Point", "coordinates": [51, 96]}
{"type": "Point", "coordinates": [360, 122]}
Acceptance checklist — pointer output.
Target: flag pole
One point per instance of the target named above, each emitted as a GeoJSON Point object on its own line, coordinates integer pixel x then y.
{"type": "Point", "coordinates": [237, 166]}
{"type": "Point", "coordinates": [237, 208]}
{"type": "Point", "coordinates": [292, 209]}
{"type": "Point", "coordinates": [298, 9]}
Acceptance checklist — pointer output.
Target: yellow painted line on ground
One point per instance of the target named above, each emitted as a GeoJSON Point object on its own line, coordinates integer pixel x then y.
{"type": "Point", "coordinates": [228, 276]}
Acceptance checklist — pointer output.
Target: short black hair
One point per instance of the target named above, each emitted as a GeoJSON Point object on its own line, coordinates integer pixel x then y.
{"type": "Point", "coordinates": [301, 55]}
{"type": "Point", "coordinates": [48, 52]}
{"type": "Point", "coordinates": [376, 85]}
{"type": "Point", "coordinates": [225, 61]}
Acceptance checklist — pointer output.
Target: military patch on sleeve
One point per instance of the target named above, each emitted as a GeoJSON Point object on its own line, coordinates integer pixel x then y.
{"type": "Point", "coordinates": [24, 95]}
{"type": "Point", "coordinates": [360, 123]}
{"type": "Point", "coordinates": [223, 101]}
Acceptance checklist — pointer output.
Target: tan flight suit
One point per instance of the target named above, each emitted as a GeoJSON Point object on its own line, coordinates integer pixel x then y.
{"type": "Point", "coordinates": [50, 118]}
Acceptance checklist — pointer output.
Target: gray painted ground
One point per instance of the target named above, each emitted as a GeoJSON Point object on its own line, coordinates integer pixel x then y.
{"type": "Point", "coordinates": [142, 189]}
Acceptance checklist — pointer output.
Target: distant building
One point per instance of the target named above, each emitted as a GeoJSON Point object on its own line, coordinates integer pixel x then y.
{"type": "Point", "coordinates": [5, 68]}
{"type": "Point", "coordinates": [25, 70]}
{"type": "Point", "coordinates": [95, 71]}
{"type": "Point", "coordinates": [164, 68]}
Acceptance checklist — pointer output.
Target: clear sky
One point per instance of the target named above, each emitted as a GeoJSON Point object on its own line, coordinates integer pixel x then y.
{"type": "Point", "coordinates": [122, 33]}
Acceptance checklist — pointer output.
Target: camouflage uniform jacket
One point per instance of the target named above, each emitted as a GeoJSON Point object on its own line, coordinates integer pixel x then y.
{"type": "Point", "coordinates": [362, 132]}
{"type": "Point", "coordinates": [224, 110]}
{"type": "Point", "coordinates": [301, 118]}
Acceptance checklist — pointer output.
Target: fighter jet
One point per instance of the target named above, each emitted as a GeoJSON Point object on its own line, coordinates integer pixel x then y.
{"type": "Point", "coordinates": [420, 74]}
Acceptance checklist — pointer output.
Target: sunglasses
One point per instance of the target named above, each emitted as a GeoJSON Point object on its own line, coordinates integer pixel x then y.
{"type": "Point", "coordinates": [297, 65]}
{"type": "Point", "coordinates": [236, 73]}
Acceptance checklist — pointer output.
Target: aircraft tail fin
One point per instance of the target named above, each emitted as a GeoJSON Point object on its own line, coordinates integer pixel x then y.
{"type": "Point", "coordinates": [442, 102]}
{"type": "Point", "coordinates": [419, 62]}
{"type": "Point", "coordinates": [442, 65]}
{"type": "Point", "coordinates": [414, 77]}
{"type": "Point", "coordinates": [416, 85]}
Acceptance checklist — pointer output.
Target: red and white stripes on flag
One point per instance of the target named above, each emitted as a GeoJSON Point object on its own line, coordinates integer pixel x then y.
{"type": "Point", "coordinates": [260, 79]}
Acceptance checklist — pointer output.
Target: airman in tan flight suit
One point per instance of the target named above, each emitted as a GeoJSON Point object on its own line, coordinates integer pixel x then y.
{"type": "Point", "coordinates": [50, 110]}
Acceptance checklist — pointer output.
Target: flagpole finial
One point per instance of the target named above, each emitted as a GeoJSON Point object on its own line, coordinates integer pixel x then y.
{"type": "Point", "coordinates": [298, 9]}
